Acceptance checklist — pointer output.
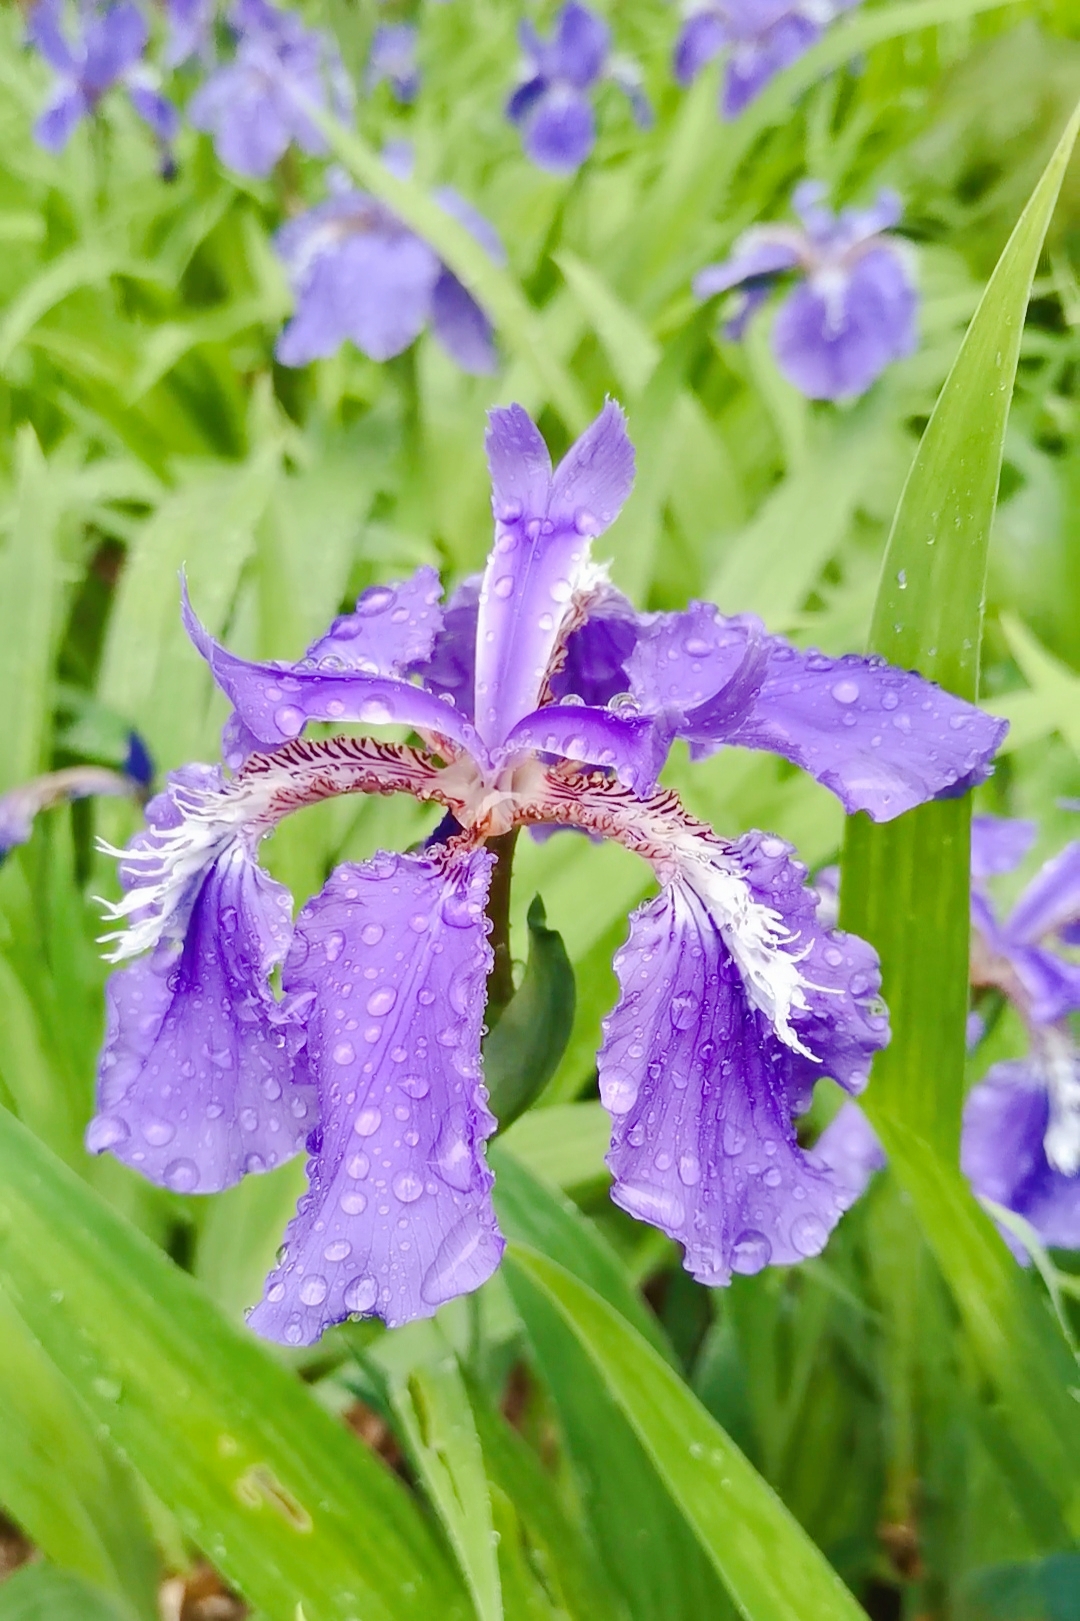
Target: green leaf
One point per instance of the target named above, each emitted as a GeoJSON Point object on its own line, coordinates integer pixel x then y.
{"type": "Point", "coordinates": [523, 1051]}
{"type": "Point", "coordinates": [295, 1514]}
{"type": "Point", "coordinates": [436, 1416]}
{"type": "Point", "coordinates": [29, 610]}
{"type": "Point", "coordinates": [1042, 1590]}
{"type": "Point", "coordinates": [905, 886]}
{"type": "Point", "coordinates": [40, 1593]}
{"type": "Point", "coordinates": [632, 351]}
{"type": "Point", "coordinates": [766, 1561]}
{"type": "Point", "coordinates": [564, 1144]}
{"type": "Point", "coordinates": [72, 1497]}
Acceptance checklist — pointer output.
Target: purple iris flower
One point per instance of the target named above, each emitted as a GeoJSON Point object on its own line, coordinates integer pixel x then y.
{"type": "Point", "coordinates": [761, 37]}
{"type": "Point", "coordinates": [107, 50]}
{"type": "Point", "coordinates": [258, 104]}
{"type": "Point", "coordinates": [551, 104]}
{"type": "Point", "coordinates": [1020, 1144]}
{"type": "Point", "coordinates": [853, 310]}
{"type": "Point", "coordinates": [537, 697]}
{"type": "Point", "coordinates": [393, 59]}
{"type": "Point", "coordinates": [358, 272]}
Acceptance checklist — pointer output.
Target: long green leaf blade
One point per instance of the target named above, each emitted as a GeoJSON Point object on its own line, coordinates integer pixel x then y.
{"type": "Point", "coordinates": [293, 1512]}
{"type": "Point", "coordinates": [906, 885]}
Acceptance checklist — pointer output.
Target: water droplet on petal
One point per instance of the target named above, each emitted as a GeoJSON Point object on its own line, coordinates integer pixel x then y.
{"type": "Point", "coordinates": [467, 1256]}
{"type": "Point", "coordinates": [367, 1122]}
{"type": "Point", "coordinates": [381, 1001]}
{"type": "Point", "coordinates": [415, 1085]}
{"type": "Point", "coordinates": [809, 1234]}
{"type": "Point", "coordinates": [846, 692]}
{"type": "Point", "coordinates": [353, 1203]}
{"type": "Point", "coordinates": [750, 1252]}
{"type": "Point", "coordinates": [689, 1170]}
{"type": "Point", "coordinates": [662, 1207]}
{"type": "Point", "coordinates": [734, 1139]}
{"type": "Point", "coordinates": [344, 1052]}
{"type": "Point", "coordinates": [106, 1131]}
{"type": "Point", "coordinates": [335, 942]}
{"type": "Point", "coordinates": [360, 1295]}
{"type": "Point", "coordinates": [158, 1132]}
{"type": "Point", "coordinates": [313, 1290]}
{"type": "Point", "coordinates": [374, 712]}
{"type": "Point", "coordinates": [182, 1175]}
{"type": "Point", "coordinates": [618, 1091]}
{"type": "Point", "coordinates": [407, 1187]}
{"type": "Point", "coordinates": [682, 1010]}
{"type": "Point", "coordinates": [503, 586]}
{"type": "Point", "coordinates": [289, 720]}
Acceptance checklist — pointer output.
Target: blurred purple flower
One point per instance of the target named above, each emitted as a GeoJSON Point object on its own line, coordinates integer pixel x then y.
{"type": "Point", "coordinates": [1020, 1144]}
{"type": "Point", "coordinates": [256, 105]}
{"type": "Point", "coordinates": [20, 805]}
{"type": "Point", "coordinates": [853, 310]}
{"type": "Point", "coordinates": [539, 697]}
{"type": "Point", "coordinates": [551, 104]}
{"type": "Point", "coordinates": [358, 273]}
{"type": "Point", "coordinates": [191, 24]}
{"type": "Point", "coordinates": [393, 58]}
{"type": "Point", "coordinates": [761, 37]}
{"type": "Point", "coordinates": [107, 50]}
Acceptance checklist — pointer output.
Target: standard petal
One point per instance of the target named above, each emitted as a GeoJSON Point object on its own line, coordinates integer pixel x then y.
{"type": "Point", "coordinates": [594, 668]}
{"type": "Point", "coordinates": [754, 62]}
{"type": "Point", "coordinates": [383, 284]}
{"type": "Point", "coordinates": [849, 1149]}
{"type": "Point", "coordinates": [45, 31]}
{"type": "Point", "coordinates": [398, 1218]}
{"type": "Point", "coordinates": [998, 844]}
{"type": "Point", "coordinates": [391, 627]}
{"type": "Point", "coordinates": [1051, 900]}
{"type": "Point", "coordinates": [251, 131]}
{"type": "Point", "coordinates": [540, 560]}
{"type": "Point", "coordinates": [881, 739]}
{"type": "Point", "coordinates": [697, 1085]}
{"type": "Point", "coordinates": [579, 48]}
{"type": "Point", "coordinates": [592, 737]}
{"type": "Point", "coordinates": [276, 701]}
{"type": "Point", "coordinates": [450, 671]}
{"type": "Point", "coordinates": [462, 327]}
{"type": "Point", "coordinates": [196, 1080]}
{"type": "Point", "coordinates": [701, 38]}
{"type": "Point", "coordinates": [114, 40]}
{"type": "Point", "coordinates": [560, 131]}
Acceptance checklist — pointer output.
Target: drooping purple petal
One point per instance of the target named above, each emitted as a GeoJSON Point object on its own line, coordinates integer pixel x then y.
{"type": "Point", "coordinates": [881, 739]}
{"type": "Point", "coordinates": [398, 1218]}
{"type": "Point", "coordinates": [191, 24]}
{"type": "Point", "coordinates": [559, 132]}
{"type": "Point", "coordinates": [701, 39]}
{"type": "Point", "coordinates": [543, 528]}
{"type": "Point", "coordinates": [196, 1082]}
{"type": "Point", "coordinates": [835, 334]}
{"type": "Point", "coordinates": [250, 128]}
{"type": "Point", "coordinates": [754, 62]}
{"type": "Point", "coordinates": [998, 844]}
{"type": "Point", "coordinates": [595, 737]}
{"type": "Point", "coordinates": [391, 627]}
{"type": "Point", "coordinates": [1001, 1152]}
{"type": "Point", "coordinates": [1052, 899]}
{"type": "Point", "coordinates": [849, 1149]}
{"type": "Point", "coordinates": [155, 110]}
{"type": "Point", "coordinates": [523, 99]}
{"type": "Point", "coordinates": [275, 701]}
{"type": "Point", "coordinates": [64, 112]}
{"type": "Point", "coordinates": [698, 1079]}
{"type": "Point", "coordinates": [21, 804]}
{"type": "Point", "coordinates": [462, 327]}
{"type": "Point", "coordinates": [1051, 984]}
{"type": "Point", "coordinates": [765, 250]}
{"type": "Point", "coordinates": [458, 207]}
{"type": "Point", "coordinates": [450, 671]}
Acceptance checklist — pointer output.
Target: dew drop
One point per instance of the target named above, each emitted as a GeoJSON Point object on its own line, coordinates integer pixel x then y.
{"type": "Point", "coordinates": [415, 1085]}
{"type": "Point", "coordinates": [358, 1167]}
{"type": "Point", "coordinates": [503, 586]}
{"type": "Point", "coordinates": [809, 1234]}
{"type": "Point", "coordinates": [660, 1206]}
{"type": "Point", "coordinates": [106, 1131]}
{"type": "Point", "coordinates": [467, 1256]}
{"type": "Point", "coordinates": [407, 1187]}
{"type": "Point", "coordinates": [373, 712]}
{"type": "Point", "coordinates": [371, 934]}
{"type": "Point", "coordinates": [344, 1052]}
{"type": "Point", "coordinates": [361, 1294]}
{"type": "Point", "coordinates": [158, 1132]}
{"type": "Point", "coordinates": [734, 1139]}
{"type": "Point", "coordinates": [289, 720]}
{"type": "Point", "coordinates": [353, 1203]}
{"type": "Point", "coordinates": [682, 1010]}
{"type": "Point", "coordinates": [182, 1175]}
{"type": "Point", "coordinates": [846, 692]}
{"type": "Point", "coordinates": [367, 1122]}
{"type": "Point", "coordinates": [750, 1252]}
{"type": "Point", "coordinates": [313, 1290]}
{"type": "Point", "coordinates": [381, 1001]}
{"type": "Point", "coordinates": [618, 1091]}
{"type": "Point", "coordinates": [689, 1170]}
{"type": "Point", "coordinates": [335, 944]}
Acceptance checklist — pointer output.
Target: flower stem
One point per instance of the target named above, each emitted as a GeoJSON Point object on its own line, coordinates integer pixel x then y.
{"type": "Point", "coordinates": [500, 985]}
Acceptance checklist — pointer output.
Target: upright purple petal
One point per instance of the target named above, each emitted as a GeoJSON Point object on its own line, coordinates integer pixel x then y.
{"type": "Point", "coordinates": [834, 335]}
{"type": "Point", "coordinates": [462, 327]}
{"type": "Point", "coordinates": [1052, 899]}
{"type": "Point", "coordinates": [998, 844]}
{"type": "Point", "coordinates": [702, 1080]}
{"type": "Point", "coordinates": [1002, 1154]}
{"type": "Point", "coordinates": [450, 672]}
{"type": "Point", "coordinates": [849, 1149]}
{"type": "Point", "coordinates": [155, 110]}
{"type": "Point", "coordinates": [191, 25]}
{"type": "Point", "coordinates": [754, 62]}
{"type": "Point", "coordinates": [594, 737]}
{"type": "Point", "coordinates": [701, 39]}
{"type": "Point", "coordinates": [393, 59]}
{"type": "Point", "coordinates": [540, 560]}
{"type": "Point", "coordinates": [196, 1081]}
{"type": "Point", "coordinates": [559, 133]}
{"type": "Point", "coordinates": [276, 701]}
{"type": "Point", "coordinates": [45, 31]}
{"type": "Point", "coordinates": [594, 668]}
{"type": "Point", "coordinates": [114, 40]}
{"type": "Point", "coordinates": [65, 111]}
{"type": "Point", "coordinates": [882, 739]}
{"type": "Point", "coordinates": [244, 117]}
{"type": "Point", "coordinates": [391, 627]}
{"type": "Point", "coordinates": [398, 1217]}
{"type": "Point", "coordinates": [578, 51]}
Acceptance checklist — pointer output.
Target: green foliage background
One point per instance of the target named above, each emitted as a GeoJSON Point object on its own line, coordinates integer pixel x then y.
{"type": "Point", "coordinates": [895, 1423]}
